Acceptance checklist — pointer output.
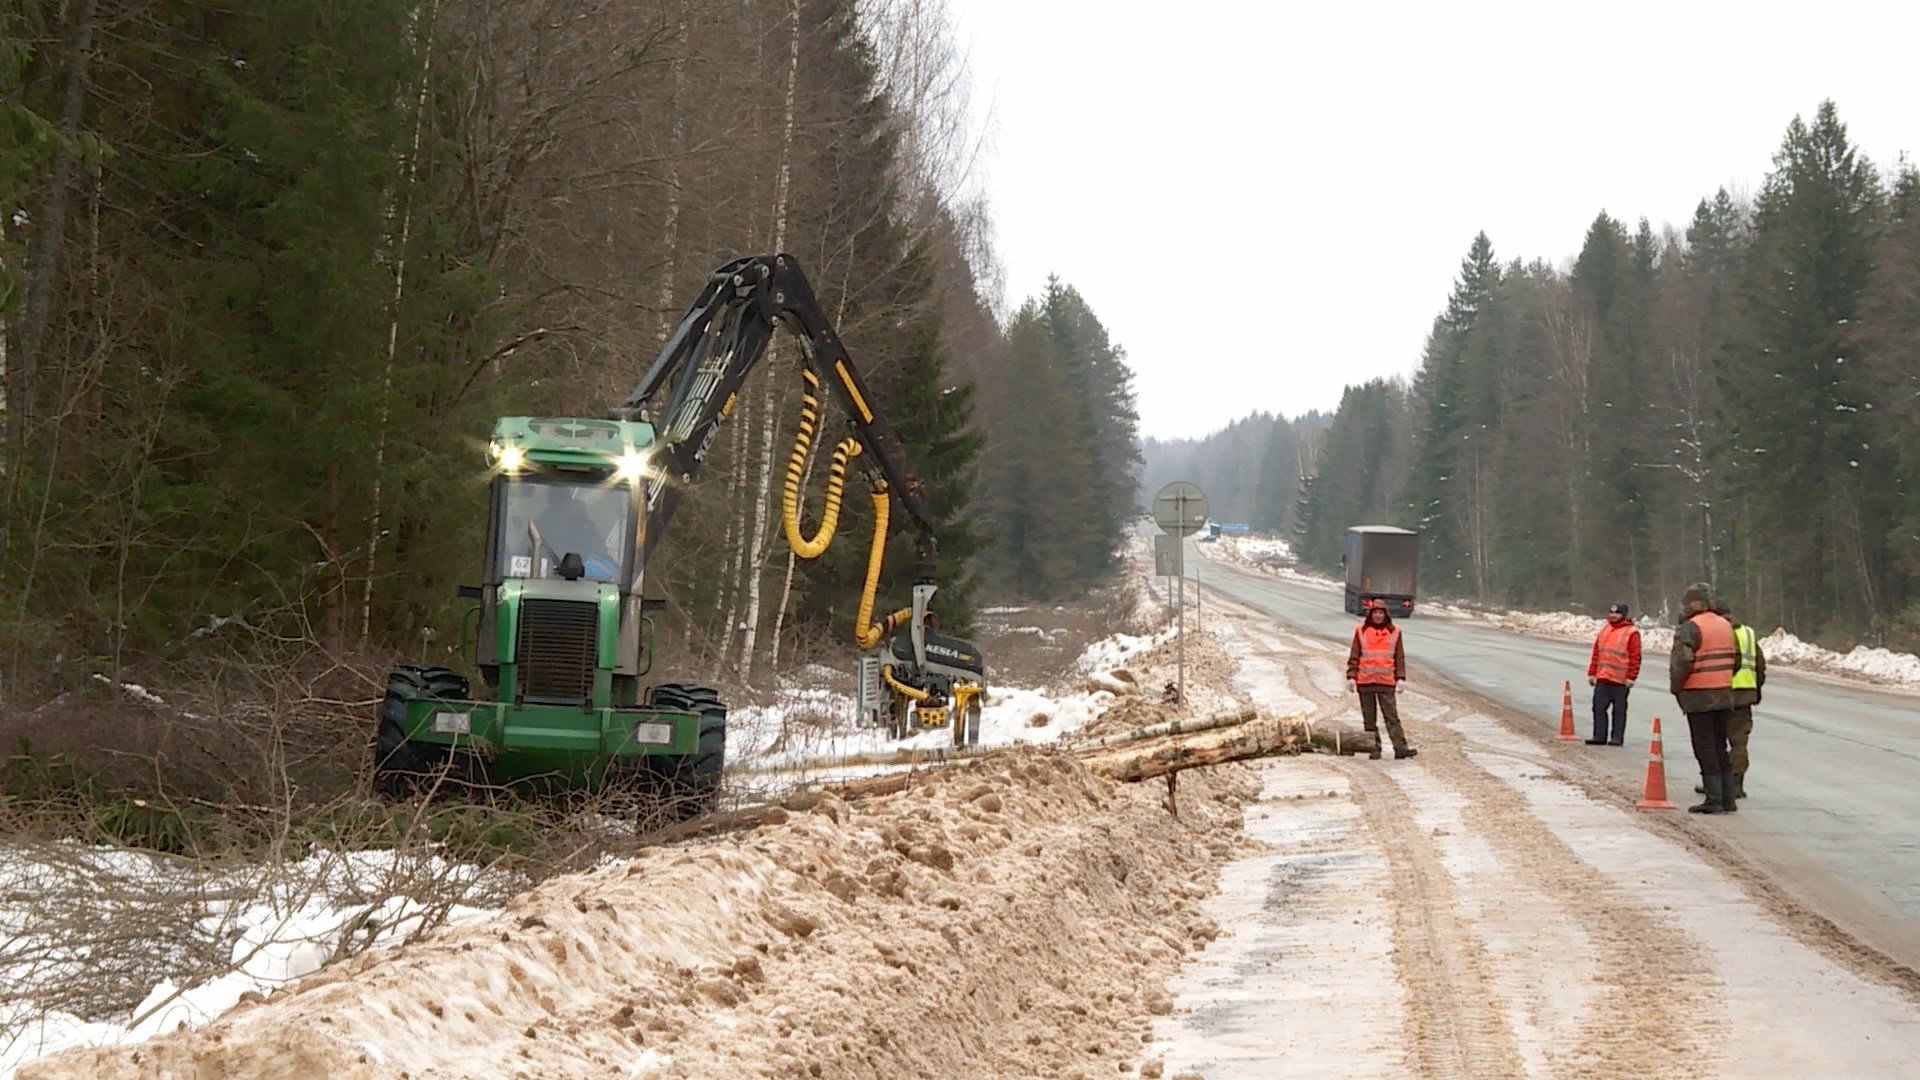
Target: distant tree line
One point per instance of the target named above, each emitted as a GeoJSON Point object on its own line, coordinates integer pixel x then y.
{"type": "Point", "coordinates": [1737, 403]}
{"type": "Point", "coordinates": [1250, 470]}
{"type": "Point", "coordinates": [269, 270]}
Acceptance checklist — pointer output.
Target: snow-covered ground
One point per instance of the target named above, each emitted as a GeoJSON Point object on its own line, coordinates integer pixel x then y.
{"type": "Point", "coordinates": [283, 923]}
{"type": "Point", "coordinates": [815, 729]}
{"type": "Point", "coordinates": [1782, 648]}
{"type": "Point", "coordinates": [1263, 547]}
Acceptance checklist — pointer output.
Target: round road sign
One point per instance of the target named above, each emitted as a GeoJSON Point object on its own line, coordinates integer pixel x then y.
{"type": "Point", "coordinates": [1180, 508]}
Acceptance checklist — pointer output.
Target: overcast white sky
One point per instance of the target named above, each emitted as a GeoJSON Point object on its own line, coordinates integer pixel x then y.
{"type": "Point", "coordinates": [1265, 201]}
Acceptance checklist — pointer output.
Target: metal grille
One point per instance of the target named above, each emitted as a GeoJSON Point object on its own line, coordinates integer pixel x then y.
{"type": "Point", "coordinates": [558, 644]}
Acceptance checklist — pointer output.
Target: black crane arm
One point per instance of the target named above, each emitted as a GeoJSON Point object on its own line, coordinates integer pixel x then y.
{"type": "Point", "coordinates": [713, 349]}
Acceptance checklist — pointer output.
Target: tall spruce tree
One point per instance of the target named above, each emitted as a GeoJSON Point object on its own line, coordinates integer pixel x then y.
{"type": "Point", "coordinates": [1101, 385]}
{"type": "Point", "coordinates": [1040, 485]}
{"type": "Point", "coordinates": [1802, 454]}
{"type": "Point", "coordinates": [1434, 493]}
{"type": "Point", "coordinates": [1611, 285]}
{"type": "Point", "coordinates": [1278, 480]}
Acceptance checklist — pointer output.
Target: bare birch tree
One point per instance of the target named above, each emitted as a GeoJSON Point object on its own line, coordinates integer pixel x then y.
{"type": "Point", "coordinates": [428, 22]}
{"type": "Point", "coordinates": [763, 481]}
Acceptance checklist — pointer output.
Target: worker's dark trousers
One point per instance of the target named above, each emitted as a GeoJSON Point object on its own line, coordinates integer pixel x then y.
{"type": "Point", "coordinates": [1610, 697]}
{"type": "Point", "coordinates": [1738, 729]}
{"type": "Point", "coordinates": [1380, 702]}
{"type": "Point", "coordinates": [1709, 731]}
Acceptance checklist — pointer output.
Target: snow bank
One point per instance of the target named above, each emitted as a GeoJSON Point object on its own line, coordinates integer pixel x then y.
{"type": "Point", "coordinates": [1268, 556]}
{"type": "Point", "coordinates": [1261, 547]}
{"type": "Point", "coordinates": [1782, 649]}
{"type": "Point", "coordinates": [1880, 665]}
{"type": "Point", "coordinates": [1114, 651]}
{"type": "Point", "coordinates": [1007, 918]}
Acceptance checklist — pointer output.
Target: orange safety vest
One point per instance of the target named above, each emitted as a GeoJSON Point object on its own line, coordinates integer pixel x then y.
{"type": "Point", "coordinates": [1717, 656]}
{"type": "Point", "coordinates": [1377, 646]}
{"type": "Point", "coordinates": [1611, 661]}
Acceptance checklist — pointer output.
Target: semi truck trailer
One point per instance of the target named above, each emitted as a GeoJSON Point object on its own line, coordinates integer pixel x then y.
{"type": "Point", "coordinates": [1382, 562]}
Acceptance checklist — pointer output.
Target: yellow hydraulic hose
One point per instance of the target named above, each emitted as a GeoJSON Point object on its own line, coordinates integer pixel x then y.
{"type": "Point", "coordinates": [898, 687]}
{"type": "Point", "coordinates": [804, 546]}
{"type": "Point", "coordinates": [864, 634]}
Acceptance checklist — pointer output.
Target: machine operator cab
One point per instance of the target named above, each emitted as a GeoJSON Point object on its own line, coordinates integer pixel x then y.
{"type": "Point", "coordinates": [567, 487]}
{"type": "Point", "coordinates": [565, 530]}
{"type": "Point", "coordinates": [547, 518]}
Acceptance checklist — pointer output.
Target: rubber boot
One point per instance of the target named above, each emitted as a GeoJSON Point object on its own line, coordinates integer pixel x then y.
{"type": "Point", "coordinates": [1729, 791]}
{"type": "Point", "coordinates": [1712, 805]}
{"type": "Point", "coordinates": [1408, 752]}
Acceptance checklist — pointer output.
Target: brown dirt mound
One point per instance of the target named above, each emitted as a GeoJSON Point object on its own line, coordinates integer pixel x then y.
{"type": "Point", "coordinates": [1014, 917]}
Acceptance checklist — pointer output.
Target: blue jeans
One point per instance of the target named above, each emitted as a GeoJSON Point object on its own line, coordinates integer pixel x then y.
{"type": "Point", "coordinates": [1610, 698]}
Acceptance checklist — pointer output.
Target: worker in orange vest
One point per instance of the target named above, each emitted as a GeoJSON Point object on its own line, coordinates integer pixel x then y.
{"type": "Point", "coordinates": [1376, 665]}
{"type": "Point", "coordinates": [1700, 674]}
{"type": "Point", "coordinates": [1611, 671]}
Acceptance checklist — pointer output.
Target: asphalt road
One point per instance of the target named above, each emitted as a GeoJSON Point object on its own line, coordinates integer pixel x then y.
{"type": "Point", "coordinates": [1833, 807]}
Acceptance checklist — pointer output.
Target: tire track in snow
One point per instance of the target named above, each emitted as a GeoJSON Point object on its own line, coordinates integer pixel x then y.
{"type": "Point", "coordinates": [1653, 1013]}
{"type": "Point", "coordinates": [1456, 1025]}
{"type": "Point", "coordinates": [1646, 1009]}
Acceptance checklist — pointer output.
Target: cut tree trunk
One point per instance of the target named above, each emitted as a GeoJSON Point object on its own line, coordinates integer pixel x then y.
{"type": "Point", "coordinates": [1142, 754]}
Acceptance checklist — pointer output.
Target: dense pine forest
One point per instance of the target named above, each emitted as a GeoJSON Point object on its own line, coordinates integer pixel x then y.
{"type": "Point", "coordinates": [1736, 401]}
{"type": "Point", "coordinates": [269, 268]}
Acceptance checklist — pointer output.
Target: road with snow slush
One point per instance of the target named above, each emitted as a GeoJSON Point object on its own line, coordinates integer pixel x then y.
{"type": "Point", "coordinates": [1496, 908]}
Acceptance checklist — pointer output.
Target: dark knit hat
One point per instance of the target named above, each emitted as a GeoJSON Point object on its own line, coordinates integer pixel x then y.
{"type": "Point", "coordinates": [1616, 609]}
{"type": "Point", "coordinates": [1698, 594]}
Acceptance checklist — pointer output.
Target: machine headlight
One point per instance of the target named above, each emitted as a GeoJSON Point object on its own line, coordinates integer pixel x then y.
{"type": "Point", "coordinates": [633, 465]}
{"type": "Point", "coordinates": [512, 458]}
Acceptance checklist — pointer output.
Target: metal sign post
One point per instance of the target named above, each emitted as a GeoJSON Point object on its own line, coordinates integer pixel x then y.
{"type": "Point", "coordinates": [1166, 564]}
{"type": "Point", "coordinates": [1199, 600]}
{"type": "Point", "coordinates": [1180, 509]}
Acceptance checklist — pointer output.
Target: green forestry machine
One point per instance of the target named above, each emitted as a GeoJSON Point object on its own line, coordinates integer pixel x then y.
{"type": "Point", "coordinates": [576, 506]}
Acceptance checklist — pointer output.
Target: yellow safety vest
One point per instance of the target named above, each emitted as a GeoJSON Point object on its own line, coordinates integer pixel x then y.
{"type": "Point", "coordinates": [1747, 678]}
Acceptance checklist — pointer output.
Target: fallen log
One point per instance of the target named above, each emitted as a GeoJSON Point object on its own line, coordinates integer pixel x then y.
{"type": "Point", "coordinates": [938, 755]}
{"type": "Point", "coordinates": [1218, 720]}
{"type": "Point", "coordinates": [1238, 740]}
{"type": "Point", "coordinates": [1177, 745]}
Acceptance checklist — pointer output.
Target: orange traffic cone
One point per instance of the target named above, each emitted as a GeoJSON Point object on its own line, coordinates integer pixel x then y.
{"type": "Point", "coordinates": [1654, 795]}
{"type": "Point", "coordinates": [1566, 712]}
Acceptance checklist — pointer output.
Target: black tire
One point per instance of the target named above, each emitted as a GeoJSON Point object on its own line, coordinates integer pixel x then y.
{"type": "Point", "coordinates": [690, 783]}
{"type": "Point", "coordinates": [401, 768]}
